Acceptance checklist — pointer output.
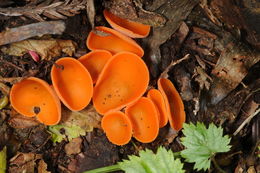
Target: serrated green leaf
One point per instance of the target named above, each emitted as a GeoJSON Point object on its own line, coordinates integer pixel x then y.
{"type": "Point", "coordinates": [148, 162]}
{"type": "Point", "coordinates": [203, 143]}
{"type": "Point", "coordinates": [69, 131]}
{"type": "Point", "coordinates": [3, 160]}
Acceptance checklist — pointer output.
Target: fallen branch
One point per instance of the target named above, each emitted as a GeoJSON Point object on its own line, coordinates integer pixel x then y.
{"type": "Point", "coordinates": [31, 30]}
{"type": "Point", "coordinates": [51, 9]}
{"type": "Point", "coordinates": [246, 121]}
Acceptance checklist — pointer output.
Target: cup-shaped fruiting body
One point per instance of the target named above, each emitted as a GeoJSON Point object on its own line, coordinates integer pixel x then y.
{"type": "Point", "coordinates": [174, 104]}
{"type": "Point", "coordinates": [112, 41]}
{"type": "Point", "coordinates": [157, 98]}
{"type": "Point", "coordinates": [144, 119]}
{"type": "Point", "coordinates": [117, 127]}
{"type": "Point", "coordinates": [34, 97]}
{"type": "Point", "coordinates": [72, 83]}
{"type": "Point", "coordinates": [123, 81]}
{"type": "Point", "coordinates": [127, 27]}
{"type": "Point", "coordinates": [94, 61]}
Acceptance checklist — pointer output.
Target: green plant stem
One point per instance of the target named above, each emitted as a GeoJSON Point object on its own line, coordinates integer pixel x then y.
{"type": "Point", "coordinates": [217, 166]}
{"type": "Point", "coordinates": [105, 169]}
{"type": "Point", "coordinates": [177, 154]}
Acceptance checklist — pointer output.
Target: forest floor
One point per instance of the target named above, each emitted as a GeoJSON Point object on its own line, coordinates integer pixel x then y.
{"type": "Point", "coordinates": [209, 50]}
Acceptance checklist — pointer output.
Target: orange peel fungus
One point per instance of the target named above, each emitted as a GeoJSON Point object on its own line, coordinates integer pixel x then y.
{"type": "Point", "coordinates": [72, 83]}
{"type": "Point", "coordinates": [174, 104]}
{"type": "Point", "coordinates": [34, 97]}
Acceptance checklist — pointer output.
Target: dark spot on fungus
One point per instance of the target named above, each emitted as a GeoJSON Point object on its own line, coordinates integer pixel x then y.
{"type": "Point", "coordinates": [148, 127]}
{"type": "Point", "coordinates": [35, 88]}
{"type": "Point", "coordinates": [36, 109]}
{"type": "Point", "coordinates": [109, 95]}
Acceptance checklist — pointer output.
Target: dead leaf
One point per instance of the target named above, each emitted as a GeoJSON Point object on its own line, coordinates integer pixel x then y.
{"type": "Point", "coordinates": [47, 49]}
{"type": "Point", "coordinates": [20, 122]}
{"type": "Point", "coordinates": [202, 78]}
{"type": "Point", "coordinates": [74, 146]}
{"type": "Point", "coordinates": [86, 119]}
{"type": "Point", "coordinates": [91, 12]}
{"type": "Point", "coordinates": [42, 167]}
{"type": "Point", "coordinates": [23, 162]}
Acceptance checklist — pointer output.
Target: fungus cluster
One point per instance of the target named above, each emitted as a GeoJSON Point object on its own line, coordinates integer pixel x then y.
{"type": "Point", "coordinates": [115, 77]}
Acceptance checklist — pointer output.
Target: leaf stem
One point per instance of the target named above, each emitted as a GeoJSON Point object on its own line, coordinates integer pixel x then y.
{"type": "Point", "coordinates": [177, 154]}
{"type": "Point", "coordinates": [217, 166]}
{"type": "Point", "coordinates": [106, 169]}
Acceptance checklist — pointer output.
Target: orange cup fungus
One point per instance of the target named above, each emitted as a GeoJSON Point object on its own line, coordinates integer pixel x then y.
{"type": "Point", "coordinates": [144, 119]}
{"type": "Point", "coordinates": [123, 81]}
{"type": "Point", "coordinates": [157, 98]}
{"type": "Point", "coordinates": [34, 97]}
{"type": "Point", "coordinates": [117, 127]}
{"type": "Point", "coordinates": [72, 83]}
{"type": "Point", "coordinates": [94, 61]}
{"type": "Point", "coordinates": [112, 41]}
{"type": "Point", "coordinates": [127, 27]}
{"type": "Point", "coordinates": [174, 104]}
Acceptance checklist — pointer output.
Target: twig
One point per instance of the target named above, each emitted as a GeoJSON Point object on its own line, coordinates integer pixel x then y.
{"type": "Point", "coordinates": [11, 64]}
{"type": "Point", "coordinates": [246, 121]}
{"type": "Point", "coordinates": [217, 166]}
{"type": "Point", "coordinates": [164, 74]}
{"type": "Point", "coordinates": [31, 30]}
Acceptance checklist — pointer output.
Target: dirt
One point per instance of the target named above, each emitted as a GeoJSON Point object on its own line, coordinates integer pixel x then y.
{"type": "Point", "coordinates": [237, 95]}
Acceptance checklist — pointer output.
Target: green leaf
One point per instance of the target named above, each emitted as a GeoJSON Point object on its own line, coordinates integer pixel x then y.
{"type": "Point", "coordinates": [148, 162]}
{"type": "Point", "coordinates": [69, 131]}
{"type": "Point", "coordinates": [3, 160]}
{"type": "Point", "coordinates": [203, 143]}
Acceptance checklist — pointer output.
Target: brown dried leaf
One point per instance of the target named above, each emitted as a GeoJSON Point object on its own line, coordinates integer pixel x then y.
{"type": "Point", "coordinates": [19, 121]}
{"type": "Point", "coordinates": [23, 162]}
{"type": "Point", "coordinates": [42, 167]}
{"type": "Point", "coordinates": [202, 78]}
{"type": "Point", "coordinates": [74, 146]}
{"type": "Point", "coordinates": [47, 49]}
{"type": "Point", "coordinates": [91, 12]}
{"type": "Point", "coordinates": [86, 119]}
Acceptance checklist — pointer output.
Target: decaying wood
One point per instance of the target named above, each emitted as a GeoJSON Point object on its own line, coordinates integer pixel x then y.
{"type": "Point", "coordinates": [50, 9]}
{"type": "Point", "coordinates": [132, 10]}
{"type": "Point", "coordinates": [175, 12]}
{"type": "Point", "coordinates": [31, 30]}
{"type": "Point", "coordinates": [228, 109]}
{"type": "Point", "coordinates": [231, 68]}
{"type": "Point", "coordinates": [244, 15]}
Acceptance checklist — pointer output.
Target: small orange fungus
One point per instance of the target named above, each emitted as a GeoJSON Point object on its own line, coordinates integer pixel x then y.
{"type": "Point", "coordinates": [112, 41]}
{"type": "Point", "coordinates": [127, 27]}
{"type": "Point", "coordinates": [117, 127]}
{"type": "Point", "coordinates": [144, 119]}
{"type": "Point", "coordinates": [94, 61]}
{"type": "Point", "coordinates": [123, 81]}
{"type": "Point", "coordinates": [34, 97]}
{"type": "Point", "coordinates": [174, 104]}
{"type": "Point", "coordinates": [72, 83]}
{"type": "Point", "coordinates": [157, 98]}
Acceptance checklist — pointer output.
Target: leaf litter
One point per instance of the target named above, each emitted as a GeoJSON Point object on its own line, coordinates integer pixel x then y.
{"type": "Point", "coordinates": [215, 87]}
